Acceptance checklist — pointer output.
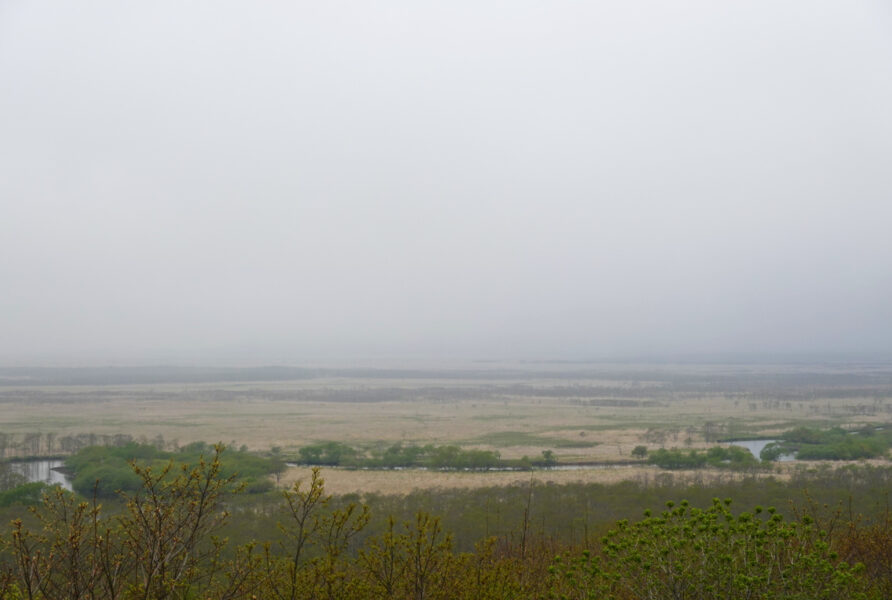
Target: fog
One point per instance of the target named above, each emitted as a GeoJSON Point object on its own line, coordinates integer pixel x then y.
{"type": "Point", "coordinates": [296, 181]}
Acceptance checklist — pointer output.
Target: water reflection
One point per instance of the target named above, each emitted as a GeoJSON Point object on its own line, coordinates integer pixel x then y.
{"type": "Point", "coordinates": [756, 447]}
{"type": "Point", "coordinates": [42, 470]}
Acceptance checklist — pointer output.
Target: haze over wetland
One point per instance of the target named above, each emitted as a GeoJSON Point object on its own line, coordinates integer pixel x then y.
{"type": "Point", "coordinates": [584, 413]}
{"type": "Point", "coordinates": [445, 301]}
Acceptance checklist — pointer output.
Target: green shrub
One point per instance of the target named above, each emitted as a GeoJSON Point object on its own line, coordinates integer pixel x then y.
{"type": "Point", "coordinates": [690, 553]}
{"type": "Point", "coordinates": [328, 453]}
{"type": "Point", "coordinates": [677, 459]}
{"type": "Point", "coordinates": [107, 470]}
{"type": "Point", "coordinates": [832, 444]}
{"type": "Point", "coordinates": [27, 494]}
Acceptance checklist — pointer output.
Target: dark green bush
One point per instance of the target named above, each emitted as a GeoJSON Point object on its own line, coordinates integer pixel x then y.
{"type": "Point", "coordinates": [107, 470]}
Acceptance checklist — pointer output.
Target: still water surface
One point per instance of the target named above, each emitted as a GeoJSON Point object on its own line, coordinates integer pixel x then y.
{"type": "Point", "coordinates": [42, 470]}
{"type": "Point", "coordinates": [756, 447]}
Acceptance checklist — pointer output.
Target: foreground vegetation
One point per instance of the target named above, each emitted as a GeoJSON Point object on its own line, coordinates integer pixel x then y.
{"type": "Point", "coordinates": [184, 533]}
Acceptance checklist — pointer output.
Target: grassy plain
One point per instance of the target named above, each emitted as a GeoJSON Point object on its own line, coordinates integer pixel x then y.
{"type": "Point", "coordinates": [583, 412]}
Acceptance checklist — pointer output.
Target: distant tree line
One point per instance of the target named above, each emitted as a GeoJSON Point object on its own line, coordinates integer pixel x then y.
{"type": "Point", "coordinates": [429, 456]}
{"type": "Point", "coordinates": [37, 443]}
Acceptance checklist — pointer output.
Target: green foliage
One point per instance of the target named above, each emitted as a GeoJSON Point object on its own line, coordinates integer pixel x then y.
{"type": "Point", "coordinates": [107, 470]}
{"type": "Point", "coordinates": [677, 459]}
{"type": "Point", "coordinates": [26, 494]}
{"type": "Point", "coordinates": [691, 553]}
{"type": "Point", "coordinates": [163, 541]}
{"type": "Point", "coordinates": [771, 452]}
{"type": "Point", "coordinates": [168, 522]}
{"type": "Point", "coordinates": [9, 478]}
{"type": "Point", "coordinates": [639, 452]}
{"type": "Point", "coordinates": [831, 444]}
{"type": "Point", "coordinates": [398, 455]}
{"type": "Point", "coordinates": [403, 456]}
{"type": "Point", "coordinates": [407, 564]}
{"type": "Point", "coordinates": [806, 435]}
{"type": "Point", "coordinates": [328, 454]}
{"type": "Point", "coordinates": [733, 457]}
{"type": "Point", "coordinates": [846, 448]}
{"type": "Point", "coordinates": [160, 546]}
{"type": "Point", "coordinates": [453, 457]}
{"type": "Point", "coordinates": [548, 458]}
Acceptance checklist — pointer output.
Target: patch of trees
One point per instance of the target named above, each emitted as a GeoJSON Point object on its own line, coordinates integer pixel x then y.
{"type": "Point", "coordinates": [107, 470]}
{"type": "Point", "coordinates": [429, 456]}
{"type": "Point", "coordinates": [15, 489]}
{"type": "Point", "coordinates": [328, 454]}
{"type": "Point", "coordinates": [733, 457]}
{"type": "Point", "coordinates": [835, 443]}
{"type": "Point", "coordinates": [9, 478]}
{"type": "Point", "coordinates": [35, 443]}
{"type": "Point", "coordinates": [26, 494]}
{"type": "Point", "coordinates": [639, 452]}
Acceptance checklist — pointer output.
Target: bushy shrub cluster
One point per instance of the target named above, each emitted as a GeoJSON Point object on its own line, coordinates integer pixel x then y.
{"type": "Point", "coordinates": [835, 443]}
{"type": "Point", "coordinates": [106, 470]}
{"type": "Point", "coordinates": [733, 457]}
{"type": "Point", "coordinates": [691, 553]}
{"type": "Point", "coordinates": [398, 455]}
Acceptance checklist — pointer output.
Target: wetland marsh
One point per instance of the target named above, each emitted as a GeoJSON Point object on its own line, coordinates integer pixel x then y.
{"type": "Point", "coordinates": [582, 413]}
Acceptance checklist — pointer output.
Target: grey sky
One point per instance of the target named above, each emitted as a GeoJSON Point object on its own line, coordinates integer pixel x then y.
{"type": "Point", "coordinates": [281, 181]}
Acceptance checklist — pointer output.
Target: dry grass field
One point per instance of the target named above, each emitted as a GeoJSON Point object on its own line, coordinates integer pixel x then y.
{"type": "Point", "coordinates": [583, 413]}
{"type": "Point", "coordinates": [349, 481]}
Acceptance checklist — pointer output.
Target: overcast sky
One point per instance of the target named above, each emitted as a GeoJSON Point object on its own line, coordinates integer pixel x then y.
{"type": "Point", "coordinates": [289, 181]}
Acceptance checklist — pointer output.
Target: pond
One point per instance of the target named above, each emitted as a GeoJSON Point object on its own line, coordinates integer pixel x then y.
{"type": "Point", "coordinates": [756, 447]}
{"type": "Point", "coordinates": [42, 470]}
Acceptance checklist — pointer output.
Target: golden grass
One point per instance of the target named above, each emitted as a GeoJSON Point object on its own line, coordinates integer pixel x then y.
{"type": "Point", "coordinates": [345, 481]}
{"type": "Point", "coordinates": [373, 413]}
